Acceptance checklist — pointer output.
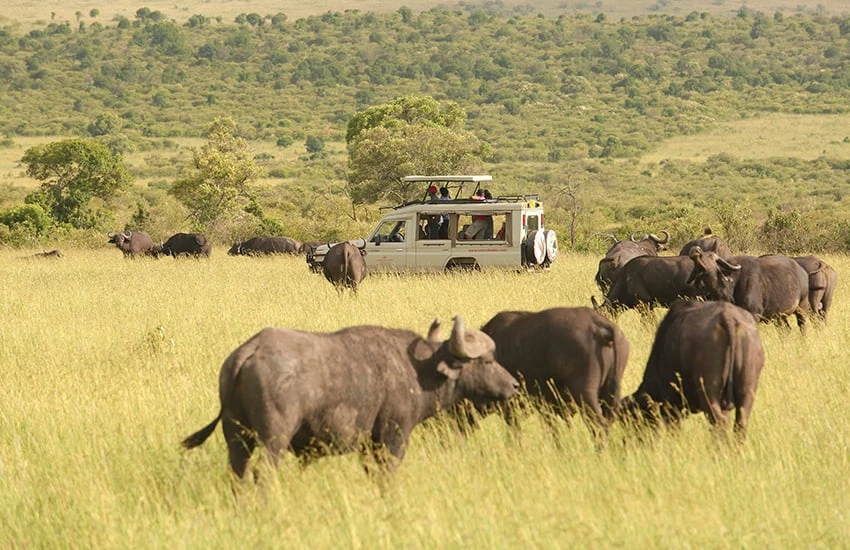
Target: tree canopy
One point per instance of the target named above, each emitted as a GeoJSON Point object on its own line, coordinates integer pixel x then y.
{"type": "Point", "coordinates": [73, 172]}
{"type": "Point", "coordinates": [410, 135]}
{"type": "Point", "coordinates": [221, 175]}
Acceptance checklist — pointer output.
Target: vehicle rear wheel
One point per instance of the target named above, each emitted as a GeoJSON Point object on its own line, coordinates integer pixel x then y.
{"type": "Point", "coordinates": [535, 251]}
{"type": "Point", "coordinates": [551, 245]}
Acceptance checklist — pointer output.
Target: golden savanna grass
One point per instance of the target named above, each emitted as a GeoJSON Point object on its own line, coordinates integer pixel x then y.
{"type": "Point", "coordinates": [109, 363]}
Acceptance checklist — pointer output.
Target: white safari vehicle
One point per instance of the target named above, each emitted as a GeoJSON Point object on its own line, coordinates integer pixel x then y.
{"type": "Point", "coordinates": [457, 231]}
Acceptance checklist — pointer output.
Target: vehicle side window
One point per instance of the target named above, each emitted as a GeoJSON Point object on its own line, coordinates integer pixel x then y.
{"type": "Point", "coordinates": [430, 227]}
{"type": "Point", "coordinates": [390, 231]}
{"type": "Point", "coordinates": [532, 223]}
{"type": "Point", "coordinates": [482, 227]}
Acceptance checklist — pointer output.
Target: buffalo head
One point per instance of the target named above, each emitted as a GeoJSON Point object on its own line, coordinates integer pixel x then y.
{"type": "Point", "coordinates": [714, 276]}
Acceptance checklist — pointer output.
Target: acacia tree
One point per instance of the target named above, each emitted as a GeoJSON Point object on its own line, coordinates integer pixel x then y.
{"type": "Point", "coordinates": [409, 135]}
{"type": "Point", "coordinates": [220, 178]}
{"type": "Point", "coordinates": [73, 172]}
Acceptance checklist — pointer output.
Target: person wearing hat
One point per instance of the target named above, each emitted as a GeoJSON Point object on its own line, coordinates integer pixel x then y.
{"type": "Point", "coordinates": [432, 193]}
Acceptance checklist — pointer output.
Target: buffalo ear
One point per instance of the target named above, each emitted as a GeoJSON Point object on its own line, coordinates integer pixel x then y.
{"type": "Point", "coordinates": [421, 350]}
{"type": "Point", "coordinates": [447, 370]}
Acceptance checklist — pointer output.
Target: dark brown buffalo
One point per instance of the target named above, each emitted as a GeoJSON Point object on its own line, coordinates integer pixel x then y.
{"type": "Point", "coordinates": [185, 244]}
{"type": "Point", "coordinates": [822, 281]}
{"type": "Point", "coordinates": [265, 245]}
{"type": "Point", "coordinates": [323, 393]}
{"type": "Point", "coordinates": [133, 243]}
{"type": "Point", "coordinates": [710, 243]}
{"type": "Point", "coordinates": [621, 252]}
{"type": "Point", "coordinates": [344, 265]}
{"type": "Point", "coordinates": [308, 246]}
{"type": "Point", "coordinates": [771, 287]}
{"type": "Point", "coordinates": [651, 281]}
{"type": "Point", "coordinates": [707, 356]}
{"type": "Point", "coordinates": [564, 354]}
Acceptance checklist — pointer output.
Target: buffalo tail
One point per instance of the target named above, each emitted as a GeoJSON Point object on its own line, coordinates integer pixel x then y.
{"type": "Point", "coordinates": [201, 435]}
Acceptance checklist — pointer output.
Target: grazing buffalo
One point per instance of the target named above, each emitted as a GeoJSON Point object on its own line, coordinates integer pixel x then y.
{"type": "Point", "coordinates": [771, 287]}
{"type": "Point", "coordinates": [344, 265]}
{"type": "Point", "coordinates": [264, 245]}
{"type": "Point", "coordinates": [621, 252]}
{"type": "Point", "coordinates": [133, 243]}
{"type": "Point", "coordinates": [185, 244]}
{"type": "Point", "coordinates": [308, 246]}
{"type": "Point", "coordinates": [325, 393]}
{"type": "Point", "coordinates": [708, 242]}
{"type": "Point", "coordinates": [564, 354]}
{"type": "Point", "coordinates": [822, 282]}
{"type": "Point", "coordinates": [651, 281]}
{"type": "Point", "coordinates": [707, 356]}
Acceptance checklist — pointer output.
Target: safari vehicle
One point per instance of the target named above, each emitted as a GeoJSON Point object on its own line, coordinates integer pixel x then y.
{"type": "Point", "coordinates": [435, 235]}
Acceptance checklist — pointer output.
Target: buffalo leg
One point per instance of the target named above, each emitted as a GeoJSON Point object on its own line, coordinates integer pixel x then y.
{"type": "Point", "coordinates": [240, 445]}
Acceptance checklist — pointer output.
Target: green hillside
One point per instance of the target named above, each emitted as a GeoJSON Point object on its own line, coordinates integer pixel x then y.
{"type": "Point", "coordinates": [586, 103]}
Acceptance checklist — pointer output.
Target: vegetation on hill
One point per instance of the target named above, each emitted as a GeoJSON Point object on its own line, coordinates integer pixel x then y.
{"type": "Point", "coordinates": [568, 105]}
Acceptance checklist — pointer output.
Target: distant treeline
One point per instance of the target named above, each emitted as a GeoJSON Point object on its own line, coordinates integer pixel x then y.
{"type": "Point", "coordinates": [551, 95]}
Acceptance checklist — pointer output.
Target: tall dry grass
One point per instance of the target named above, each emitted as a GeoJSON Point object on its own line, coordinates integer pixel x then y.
{"type": "Point", "coordinates": [108, 363]}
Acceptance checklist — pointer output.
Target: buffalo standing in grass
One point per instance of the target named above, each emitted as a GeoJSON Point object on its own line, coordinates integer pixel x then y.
{"type": "Point", "coordinates": [264, 245]}
{"type": "Point", "coordinates": [622, 252]}
{"type": "Point", "coordinates": [133, 243]}
{"type": "Point", "coordinates": [710, 243]}
{"type": "Point", "coordinates": [324, 393]}
{"type": "Point", "coordinates": [651, 280]}
{"type": "Point", "coordinates": [185, 244]}
{"type": "Point", "coordinates": [822, 281]}
{"type": "Point", "coordinates": [564, 354]}
{"type": "Point", "coordinates": [344, 265]}
{"type": "Point", "coordinates": [707, 356]}
{"type": "Point", "coordinates": [771, 287]}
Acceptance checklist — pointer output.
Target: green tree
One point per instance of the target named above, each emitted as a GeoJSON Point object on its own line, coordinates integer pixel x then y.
{"type": "Point", "coordinates": [221, 175]}
{"type": "Point", "coordinates": [410, 135]}
{"type": "Point", "coordinates": [73, 172]}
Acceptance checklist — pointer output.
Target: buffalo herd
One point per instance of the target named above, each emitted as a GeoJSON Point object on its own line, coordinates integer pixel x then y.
{"type": "Point", "coordinates": [365, 388]}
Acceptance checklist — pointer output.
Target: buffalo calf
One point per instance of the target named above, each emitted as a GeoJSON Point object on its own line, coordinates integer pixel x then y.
{"type": "Point", "coordinates": [323, 393]}
{"type": "Point", "coordinates": [707, 356]}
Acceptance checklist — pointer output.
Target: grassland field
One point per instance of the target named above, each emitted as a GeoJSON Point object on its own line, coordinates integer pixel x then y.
{"type": "Point", "coordinates": [108, 363]}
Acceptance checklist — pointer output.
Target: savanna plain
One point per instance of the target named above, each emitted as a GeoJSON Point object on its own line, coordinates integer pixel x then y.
{"type": "Point", "coordinates": [109, 363]}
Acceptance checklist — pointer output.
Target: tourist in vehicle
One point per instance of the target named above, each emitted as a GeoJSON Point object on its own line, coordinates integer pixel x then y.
{"type": "Point", "coordinates": [478, 226]}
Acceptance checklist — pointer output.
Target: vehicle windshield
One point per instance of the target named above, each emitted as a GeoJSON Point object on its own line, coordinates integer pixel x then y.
{"type": "Point", "coordinates": [389, 231]}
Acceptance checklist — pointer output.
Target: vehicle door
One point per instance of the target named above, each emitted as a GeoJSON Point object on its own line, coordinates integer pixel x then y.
{"type": "Point", "coordinates": [389, 247]}
{"type": "Point", "coordinates": [433, 247]}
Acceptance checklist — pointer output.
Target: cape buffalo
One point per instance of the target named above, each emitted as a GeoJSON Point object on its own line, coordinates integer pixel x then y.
{"type": "Point", "coordinates": [651, 281]}
{"type": "Point", "coordinates": [322, 393]}
{"type": "Point", "coordinates": [822, 282]}
{"type": "Point", "coordinates": [133, 243]}
{"type": "Point", "coordinates": [571, 354]}
{"type": "Point", "coordinates": [707, 356]}
{"type": "Point", "coordinates": [344, 265]}
{"type": "Point", "coordinates": [264, 245]}
{"type": "Point", "coordinates": [621, 252]}
{"type": "Point", "coordinates": [771, 287]}
{"type": "Point", "coordinates": [710, 243]}
{"type": "Point", "coordinates": [185, 244]}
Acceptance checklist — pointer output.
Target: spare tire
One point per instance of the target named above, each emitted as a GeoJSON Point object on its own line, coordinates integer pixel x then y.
{"type": "Point", "coordinates": [535, 247]}
{"type": "Point", "coordinates": [551, 245]}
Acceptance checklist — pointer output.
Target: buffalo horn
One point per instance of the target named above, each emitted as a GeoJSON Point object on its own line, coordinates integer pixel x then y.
{"type": "Point", "coordinates": [632, 237]}
{"type": "Point", "coordinates": [434, 331]}
{"type": "Point", "coordinates": [470, 345]}
{"type": "Point", "coordinates": [727, 265]}
{"type": "Point", "coordinates": [659, 240]}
